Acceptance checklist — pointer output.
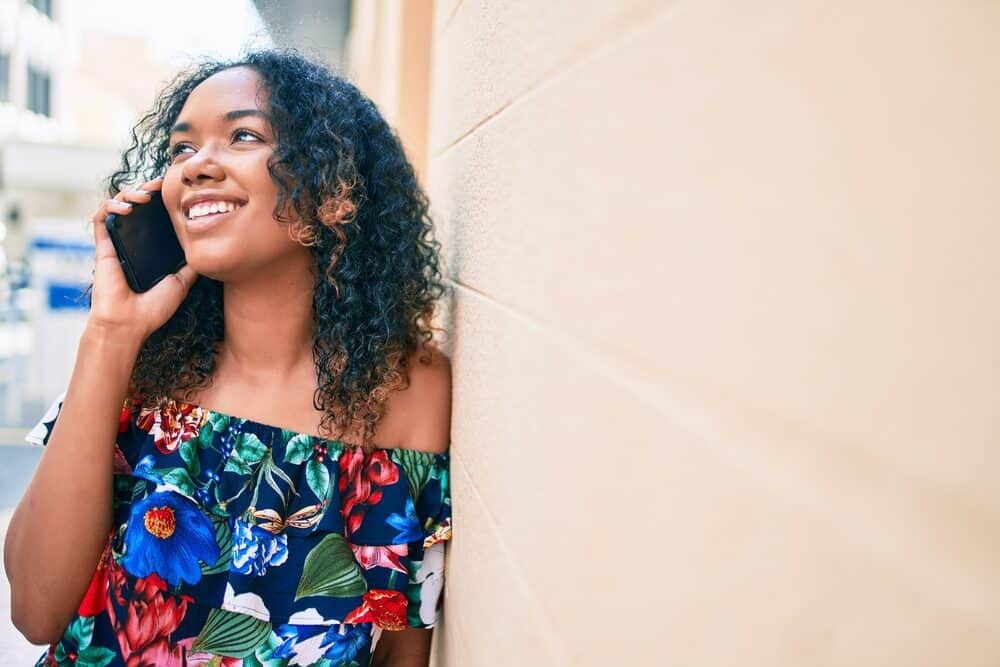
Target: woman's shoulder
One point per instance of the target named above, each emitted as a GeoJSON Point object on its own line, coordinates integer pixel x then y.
{"type": "Point", "coordinates": [424, 406]}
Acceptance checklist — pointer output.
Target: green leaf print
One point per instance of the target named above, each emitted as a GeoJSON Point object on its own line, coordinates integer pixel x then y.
{"type": "Point", "coordinates": [231, 634]}
{"type": "Point", "coordinates": [189, 453]}
{"type": "Point", "coordinates": [330, 569]}
{"type": "Point", "coordinates": [95, 656]}
{"type": "Point", "coordinates": [216, 423]}
{"type": "Point", "coordinates": [299, 448]}
{"type": "Point", "coordinates": [413, 594]}
{"type": "Point", "coordinates": [237, 465]}
{"type": "Point", "coordinates": [250, 448]}
{"type": "Point", "coordinates": [417, 466]}
{"type": "Point", "coordinates": [81, 631]}
{"type": "Point", "coordinates": [318, 477]}
{"type": "Point", "coordinates": [263, 655]}
{"type": "Point", "coordinates": [77, 640]}
{"type": "Point", "coordinates": [224, 538]}
{"type": "Point", "coordinates": [179, 477]}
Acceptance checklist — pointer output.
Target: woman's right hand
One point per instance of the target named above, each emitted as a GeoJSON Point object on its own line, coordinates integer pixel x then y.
{"type": "Point", "coordinates": [114, 306]}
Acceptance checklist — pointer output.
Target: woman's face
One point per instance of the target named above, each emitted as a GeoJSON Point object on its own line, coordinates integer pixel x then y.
{"type": "Point", "coordinates": [219, 149]}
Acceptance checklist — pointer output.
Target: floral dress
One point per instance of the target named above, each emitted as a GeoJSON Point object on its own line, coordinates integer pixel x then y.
{"type": "Point", "coordinates": [239, 543]}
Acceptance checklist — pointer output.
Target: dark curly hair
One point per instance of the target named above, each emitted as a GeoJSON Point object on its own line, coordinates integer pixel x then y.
{"type": "Point", "coordinates": [363, 215]}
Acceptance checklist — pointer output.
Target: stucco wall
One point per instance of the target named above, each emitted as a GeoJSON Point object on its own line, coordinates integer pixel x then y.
{"type": "Point", "coordinates": [723, 332]}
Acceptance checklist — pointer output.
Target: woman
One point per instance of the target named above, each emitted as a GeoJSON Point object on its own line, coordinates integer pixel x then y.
{"type": "Point", "coordinates": [255, 451]}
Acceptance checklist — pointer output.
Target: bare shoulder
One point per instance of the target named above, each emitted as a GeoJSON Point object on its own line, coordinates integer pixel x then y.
{"type": "Point", "coordinates": [424, 407]}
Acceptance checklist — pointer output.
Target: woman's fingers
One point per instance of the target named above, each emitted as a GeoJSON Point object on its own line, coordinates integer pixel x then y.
{"type": "Point", "coordinates": [100, 217]}
{"type": "Point", "coordinates": [110, 206]}
{"type": "Point", "coordinates": [139, 195]}
{"type": "Point", "coordinates": [136, 196]}
{"type": "Point", "coordinates": [143, 192]}
{"type": "Point", "coordinates": [102, 241]}
{"type": "Point", "coordinates": [168, 294]}
{"type": "Point", "coordinates": [120, 204]}
{"type": "Point", "coordinates": [154, 184]}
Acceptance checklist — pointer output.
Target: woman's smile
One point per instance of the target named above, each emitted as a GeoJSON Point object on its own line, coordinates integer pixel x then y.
{"type": "Point", "coordinates": [203, 216]}
{"type": "Point", "coordinates": [219, 147]}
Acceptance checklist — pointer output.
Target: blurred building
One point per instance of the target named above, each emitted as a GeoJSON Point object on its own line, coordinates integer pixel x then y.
{"type": "Point", "coordinates": [317, 26]}
{"type": "Point", "coordinates": [40, 182]}
{"type": "Point", "coordinates": [67, 100]}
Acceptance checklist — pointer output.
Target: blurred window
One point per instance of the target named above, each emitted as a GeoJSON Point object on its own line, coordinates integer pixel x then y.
{"type": "Point", "coordinates": [44, 6]}
{"type": "Point", "coordinates": [39, 91]}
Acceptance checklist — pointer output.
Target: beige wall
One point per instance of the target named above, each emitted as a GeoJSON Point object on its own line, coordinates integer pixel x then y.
{"type": "Point", "coordinates": [724, 334]}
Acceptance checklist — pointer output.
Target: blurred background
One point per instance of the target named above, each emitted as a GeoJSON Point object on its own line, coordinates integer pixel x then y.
{"type": "Point", "coordinates": [725, 309]}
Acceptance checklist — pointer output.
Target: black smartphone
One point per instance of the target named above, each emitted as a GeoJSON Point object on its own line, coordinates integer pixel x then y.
{"type": "Point", "coordinates": [147, 246]}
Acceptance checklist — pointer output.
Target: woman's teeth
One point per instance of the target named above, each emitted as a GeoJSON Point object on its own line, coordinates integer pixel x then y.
{"type": "Point", "coordinates": [199, 210]}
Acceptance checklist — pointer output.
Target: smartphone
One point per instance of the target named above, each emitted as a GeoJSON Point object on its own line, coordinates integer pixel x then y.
{"type": "Point", "coordinates": [147, 247]}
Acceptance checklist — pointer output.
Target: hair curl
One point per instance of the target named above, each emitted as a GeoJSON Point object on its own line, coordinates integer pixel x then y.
{"type": "Point", "coordinates": [362, 214]}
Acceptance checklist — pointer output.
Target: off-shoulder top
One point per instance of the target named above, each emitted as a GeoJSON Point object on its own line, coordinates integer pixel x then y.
{"type": "Point", "coordinates": [240, 543]}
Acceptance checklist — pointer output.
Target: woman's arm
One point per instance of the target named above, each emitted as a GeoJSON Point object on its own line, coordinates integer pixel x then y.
{"type": "Point", "coordinates": [58, 531]}
{"type": "Point", "coordinates": [60, 526]}
{"type": "Point", "coordinates": [403, 648]}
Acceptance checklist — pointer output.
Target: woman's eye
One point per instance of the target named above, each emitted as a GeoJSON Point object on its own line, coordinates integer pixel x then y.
{"type": "Point", "coordinates": [176, 150]}
{"type": "Point", "coordinates": [247, 133]}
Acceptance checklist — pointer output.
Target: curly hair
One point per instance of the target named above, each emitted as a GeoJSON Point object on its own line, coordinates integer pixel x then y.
{"type": "Point", "coordinates": [361, 212]}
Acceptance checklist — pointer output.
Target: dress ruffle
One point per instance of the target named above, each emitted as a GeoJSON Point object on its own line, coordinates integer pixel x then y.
{"type": "Point", "coordinates": [284, 527]}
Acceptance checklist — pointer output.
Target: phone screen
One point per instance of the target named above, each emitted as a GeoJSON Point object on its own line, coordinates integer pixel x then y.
{"type": "Point", "coordinates": [147, 247]}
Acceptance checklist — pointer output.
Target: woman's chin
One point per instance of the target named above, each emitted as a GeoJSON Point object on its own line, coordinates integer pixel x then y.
{"type": "Point", "coordinates": [222, 260]}
{"type": "Point", "coordinates": [212, 268]}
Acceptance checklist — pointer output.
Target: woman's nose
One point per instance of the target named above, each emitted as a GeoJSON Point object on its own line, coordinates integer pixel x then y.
{"type": "Point", "coordinates": [201, 166]}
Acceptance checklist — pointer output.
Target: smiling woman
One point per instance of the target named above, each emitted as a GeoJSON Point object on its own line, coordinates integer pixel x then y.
{"type": "Point", "coordinates": [256, 452]}
{"type": "Point", "coordinates": [222, 129]}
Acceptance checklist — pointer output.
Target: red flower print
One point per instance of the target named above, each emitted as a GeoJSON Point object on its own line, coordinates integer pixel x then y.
{"type": "Point", "coordinates": [384, 556]}
{"type": "Point", "coordinates": [96, 598]}
{"type": "Point", "coordinates": [119, 465]}
{"type": "Point", "coordinates": [172, 424]}
{"type": "Point", "coordinates": [124, 419]}
{"type": "Point", "coordinates": [210, 659]}
{"type": "Point", "coordinates": [116, 585]}
{"type": "Point", "coordinates": [360, 481]}
{"type": "Point", "coordinates": [152, 615]}
{"type": "Point", "coordinates": [386, 608]}
{"type": "Point", "coordinates": [380, 469]}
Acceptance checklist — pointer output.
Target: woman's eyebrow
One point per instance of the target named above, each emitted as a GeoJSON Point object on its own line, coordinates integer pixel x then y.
{"type": "Point", "coordinates": [229, 116]}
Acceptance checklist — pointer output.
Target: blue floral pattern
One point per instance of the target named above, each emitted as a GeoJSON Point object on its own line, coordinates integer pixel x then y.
{"type": "Point", "coordinates": [254, 548]}
{"type": "Point", "coordinates": [167, 534]}
{"type": "Point", "coordinates": [239, 543]}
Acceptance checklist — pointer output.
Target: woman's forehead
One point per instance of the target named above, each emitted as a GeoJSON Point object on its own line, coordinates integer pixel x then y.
{"type": "Point", "coordinates": [223, 89]}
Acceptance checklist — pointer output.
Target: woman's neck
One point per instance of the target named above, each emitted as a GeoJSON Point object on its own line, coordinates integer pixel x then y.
{"type": "Point", "coordinates": [269, 327]}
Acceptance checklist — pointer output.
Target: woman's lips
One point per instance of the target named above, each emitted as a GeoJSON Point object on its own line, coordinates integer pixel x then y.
{"type": "Point", "coordinates": [205, 221]}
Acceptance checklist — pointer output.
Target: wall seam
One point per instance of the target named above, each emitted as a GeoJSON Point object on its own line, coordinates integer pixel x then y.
{"type": "Point", "coordinates": [627, 26]}
{"type": "Point", "coordinates": [794, 482]}
{"type": "Point", "coordinates": [448, 21]}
